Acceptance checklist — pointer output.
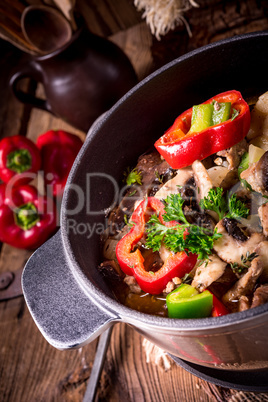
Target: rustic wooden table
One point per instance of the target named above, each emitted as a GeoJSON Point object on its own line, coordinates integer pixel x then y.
{"type": "Point", "coordinates": [31, 369]}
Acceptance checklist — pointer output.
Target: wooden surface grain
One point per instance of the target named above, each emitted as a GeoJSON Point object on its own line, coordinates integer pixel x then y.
{"type": "Point", "coordinates": [31, 369]}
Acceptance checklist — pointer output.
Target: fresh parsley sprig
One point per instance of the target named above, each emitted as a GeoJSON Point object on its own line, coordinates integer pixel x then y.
{"type": "Point", "coordinates": [173, 208]}
{"type": "Point", "coordinates": [215, 202]}
{"type": "Point", "coordinates": [182, 237]}
{"type": "Point", "coordinates": [237, 208]}
{"type": "Point", "coordinates": [229, 207]}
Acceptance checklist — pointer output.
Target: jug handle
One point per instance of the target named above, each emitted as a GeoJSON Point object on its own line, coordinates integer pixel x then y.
{"type": "Point", "coordinates": [28, 71]}
{"type": "Point", "coordinates": [65, 315]}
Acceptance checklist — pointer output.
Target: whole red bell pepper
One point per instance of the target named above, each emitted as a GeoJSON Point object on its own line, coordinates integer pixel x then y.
{"type": "Point", "coordinates": [132, 262]}
{"type": "Point", "coordinates": [181, 146]}
{"type": "Point", "coordinates": [18, 156]}
{"type": "Point", "coordinates": [58, 151]}
{"type": "Point", "coordinates": [27, 220]}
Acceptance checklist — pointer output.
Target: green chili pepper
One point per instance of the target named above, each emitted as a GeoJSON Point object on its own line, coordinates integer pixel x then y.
{"type": "Point", "coordinates": [187, 302]}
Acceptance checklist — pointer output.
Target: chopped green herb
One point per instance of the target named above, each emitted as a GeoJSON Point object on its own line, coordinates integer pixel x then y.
{"type": "Point", "coordinates": [235, 113]}
{"type": "Point", "coordinates": [159, 177]}
{"type": "Point", "coordinates": [248, 257]}
{"type": "Point", "coordinates": [132, 193]}
{"type": "Point", "coordinates": [127, 222]}
{"type": "Point", "coordinates": [244, 164]}
{"type": "Point", "coordinates": [240, 268]}
{"type": "Point", "coordinates": [187, 279]}
{"type": "Point", "coordinates": [132, 177]}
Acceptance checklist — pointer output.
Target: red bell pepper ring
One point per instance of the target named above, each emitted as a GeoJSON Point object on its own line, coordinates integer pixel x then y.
{"type": "Point", "coordinates": [18, 156]}
{"type": "Point", "coordinates": [180, 148]}
{"type": "Point", "coordinates": [58, 151]}
{"type": "Point", "coordinates": [131, 262]}
{"type": "Point", "coordinates": [27, 219]}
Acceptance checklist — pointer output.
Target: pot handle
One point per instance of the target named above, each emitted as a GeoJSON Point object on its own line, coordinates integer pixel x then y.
{"type": "Point", "coordinates": [64, 314]}
{"type": "Point", "coordinates": [28, 70]}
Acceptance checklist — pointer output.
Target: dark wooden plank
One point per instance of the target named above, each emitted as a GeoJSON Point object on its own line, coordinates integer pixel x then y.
{"type": "Point", "coordinates": [107, 17]}
{"type": "Point", "coordinates": [212, 21]}
{"type": "Point", "coordinates": [12, 112]}
{"type": "Point", "coordinates": [31, 369]}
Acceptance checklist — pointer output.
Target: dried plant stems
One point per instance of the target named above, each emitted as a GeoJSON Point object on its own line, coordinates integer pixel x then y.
{"type": "Point", "coordinates": [164, 15]}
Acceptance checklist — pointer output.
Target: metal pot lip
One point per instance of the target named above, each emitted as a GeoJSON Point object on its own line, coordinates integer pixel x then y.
{"type": "Point", "coordinates": [100, 298]}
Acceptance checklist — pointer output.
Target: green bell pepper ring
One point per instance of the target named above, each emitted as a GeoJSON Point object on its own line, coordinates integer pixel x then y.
{"type": "Point", "coordinates": [209, 114]}
{"type": "Point", "coordinates": [187, 302]}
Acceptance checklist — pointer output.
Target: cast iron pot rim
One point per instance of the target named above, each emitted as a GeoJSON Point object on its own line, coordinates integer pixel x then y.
{"type": "Point", "coordinates": [98, 296]}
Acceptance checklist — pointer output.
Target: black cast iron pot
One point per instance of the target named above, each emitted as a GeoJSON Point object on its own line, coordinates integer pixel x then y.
{"type": "Point", "coordinates": [67, 296]}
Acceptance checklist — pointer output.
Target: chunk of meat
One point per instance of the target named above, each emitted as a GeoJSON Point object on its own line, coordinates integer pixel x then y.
{"type": "Point", "coordinates": [259, 119]}
{"type": "Point", "coordinates": [224, 283]}
{"type": "Point", "coordinates": [171, 186]}
{"type": "Point", "coordinates": [132, 283]}
{"type": "Point", "coordinates": [202, 179]}
{"type": "Point", "coordinates": [208, 272]}
{"type": "Point", "coordinates": [147, 166]}
{"type": "Point", "coordinates": [257, 175]}
{"type": "Point", "coordinates": [244, 286]}
{"type": "Point", "coordinates": [111, 271]}
{"type": "Point", "coordinates": [260, 296]}
{"type": "Point", "coordinates": [233, 154]}
{"type": "Point", "coordinates": [263, 214]}
{"type": "Point", "coordinates": [230, 249]}
{"type": "Point", "coordinates": [170, 286]}
{"type": "Point", "coordinates": [262, 252]}
{"type": "Point", "coordinates": [244, 303]}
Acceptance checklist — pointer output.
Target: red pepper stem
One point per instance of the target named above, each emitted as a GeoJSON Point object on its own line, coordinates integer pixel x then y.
{"type": "Point", "coordinates": [19, 160]}
{"type": "Point", "coordinates": [26, 216]}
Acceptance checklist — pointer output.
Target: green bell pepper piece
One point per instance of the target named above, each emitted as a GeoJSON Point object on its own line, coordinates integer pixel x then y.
{"type": "Point", "coordinates": [222, 114]}
{"type": "Point", "coordinates": [207, 115]}
{"type": "Point", "coordinates": [244, 163]}
{"type": "Point", "coordinates": [187, 302]}
{"type": "Point", "coordinates": [201, 117]}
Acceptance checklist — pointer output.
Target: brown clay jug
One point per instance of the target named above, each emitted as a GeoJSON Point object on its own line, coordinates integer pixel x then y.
{"type": "Point", "coordinates": [81, 80]}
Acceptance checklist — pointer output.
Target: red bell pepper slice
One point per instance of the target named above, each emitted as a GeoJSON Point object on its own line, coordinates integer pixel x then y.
{"type": "Point", "coordinates": [131, 262]}
{"type": "Point", "coordinates": [27, 219]}
{"type": "Point", "coordinates": [18, 156]}
{"type": "Point", "coordinates": [218, 308]}
{"type": "Point", "coordinates": [180, 148]}
{"type": "Point", "coordinates": [58, 151]}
